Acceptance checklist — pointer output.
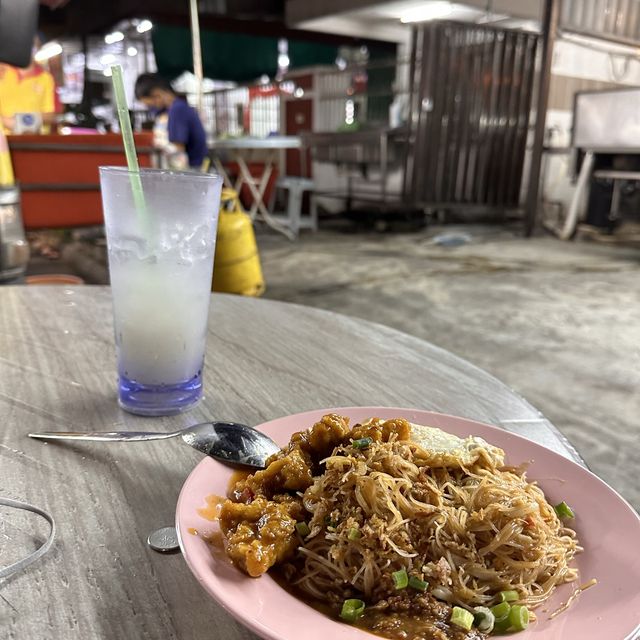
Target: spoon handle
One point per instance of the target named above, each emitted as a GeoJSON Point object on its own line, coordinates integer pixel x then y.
{"type": "Point", "coordinates": [105, 436]}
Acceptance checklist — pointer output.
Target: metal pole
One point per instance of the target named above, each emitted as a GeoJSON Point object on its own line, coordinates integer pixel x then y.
{"type": "Point", "coordinates": [197, 50]}
{"type": "Point", "coordinates": [549, 32]}
{"type": "Point", "coordinates": [85, 103]}
{"type": "Point", "coordinates": [145, 44]}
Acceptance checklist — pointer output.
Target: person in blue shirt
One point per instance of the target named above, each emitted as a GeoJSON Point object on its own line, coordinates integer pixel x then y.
{"type": "Point", "coordinates": [184, 129]}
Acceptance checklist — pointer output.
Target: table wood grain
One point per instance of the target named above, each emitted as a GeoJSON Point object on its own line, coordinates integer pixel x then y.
{"type": "Point", "coordinates": [264, 360]}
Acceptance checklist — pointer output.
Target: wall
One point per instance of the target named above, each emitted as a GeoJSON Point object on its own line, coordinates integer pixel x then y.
{"type": "Point", "coordinates": [578, 66]}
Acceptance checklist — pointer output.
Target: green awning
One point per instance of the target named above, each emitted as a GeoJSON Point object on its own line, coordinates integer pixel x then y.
{"type": "Point", "coordinates": [240, 57]}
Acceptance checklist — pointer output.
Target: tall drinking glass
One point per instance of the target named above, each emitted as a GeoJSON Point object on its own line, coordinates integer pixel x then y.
{"type": "Point", "coordinates": [161, 251]}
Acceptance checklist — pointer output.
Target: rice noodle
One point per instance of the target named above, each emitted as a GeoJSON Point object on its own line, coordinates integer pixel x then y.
{"type": "Point", "coordinates": [492, 529]}
{"type": "Point", "coordinates": [565, 605]}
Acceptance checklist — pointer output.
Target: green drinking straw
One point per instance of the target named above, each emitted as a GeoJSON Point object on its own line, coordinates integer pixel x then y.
{"type": "Point", "coordinates": [127, 139]}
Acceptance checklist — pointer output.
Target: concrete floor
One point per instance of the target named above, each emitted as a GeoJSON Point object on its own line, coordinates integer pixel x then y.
{"type": "Point", "coordinates": [559, 322]}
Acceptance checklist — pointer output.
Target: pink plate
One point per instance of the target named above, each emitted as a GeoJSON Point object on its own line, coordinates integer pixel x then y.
{"type": "Point", "coordinates": [607, 526]}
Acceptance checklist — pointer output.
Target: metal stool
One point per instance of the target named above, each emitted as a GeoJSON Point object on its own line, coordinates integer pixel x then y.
{"type": "Point", "coordinates": [293, 218]}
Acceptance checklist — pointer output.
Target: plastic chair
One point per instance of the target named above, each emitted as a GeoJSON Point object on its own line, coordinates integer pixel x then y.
{"type": "Point", "coordinates": [293, 217]}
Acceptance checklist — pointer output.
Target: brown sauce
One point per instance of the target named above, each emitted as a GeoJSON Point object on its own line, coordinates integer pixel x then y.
{"type": "Point", "coordinates": [413, 627]}
{"type": "Point", "coordinates": [212, 510]}
{"type": "Point", "coordinates": [432, 624]}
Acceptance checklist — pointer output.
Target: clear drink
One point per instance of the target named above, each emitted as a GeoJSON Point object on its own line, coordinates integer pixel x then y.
{"type": "Point", "coordinates": [161, 265]}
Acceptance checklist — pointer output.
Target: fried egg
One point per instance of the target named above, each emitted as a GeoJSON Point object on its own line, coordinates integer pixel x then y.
{"type": "Point", "coordinates": [447, 450]}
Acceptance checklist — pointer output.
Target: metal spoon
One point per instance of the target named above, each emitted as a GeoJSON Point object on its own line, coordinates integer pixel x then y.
{"type": "Point", "coordinates": [228, 442]}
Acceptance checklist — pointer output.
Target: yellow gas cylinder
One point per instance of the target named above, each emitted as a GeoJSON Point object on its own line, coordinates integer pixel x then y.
{"type": "Point", "coordinates": [236, 268]}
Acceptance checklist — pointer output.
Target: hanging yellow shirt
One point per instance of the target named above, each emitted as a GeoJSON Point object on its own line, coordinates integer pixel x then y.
{"type": "Point", "coordinates": [26, 91]}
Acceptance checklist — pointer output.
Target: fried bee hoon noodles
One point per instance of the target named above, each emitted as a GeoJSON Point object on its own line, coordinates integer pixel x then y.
{"type": "Point", "coordinates": [347, 511]}
{"type": "Point", "coordinates": [495, 530]}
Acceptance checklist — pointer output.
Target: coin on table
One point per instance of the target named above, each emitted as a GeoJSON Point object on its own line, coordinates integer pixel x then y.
{"type": "Point", "coordinates": [164, 540]}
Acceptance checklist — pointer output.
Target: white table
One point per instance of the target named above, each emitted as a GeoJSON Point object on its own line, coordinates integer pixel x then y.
{"type": "Point", "coordinates": [241, 151]}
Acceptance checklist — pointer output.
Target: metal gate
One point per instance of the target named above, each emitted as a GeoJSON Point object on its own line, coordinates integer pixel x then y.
{"type": "Point", "coordinates": [470, 107]}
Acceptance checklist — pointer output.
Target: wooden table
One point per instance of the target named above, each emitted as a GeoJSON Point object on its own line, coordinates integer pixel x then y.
{"type": "Point", "coordinates": [264, 359]}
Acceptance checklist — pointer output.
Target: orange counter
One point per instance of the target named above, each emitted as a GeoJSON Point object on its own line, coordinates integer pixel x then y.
{"type": "Point", "coordinates": [58, 175]}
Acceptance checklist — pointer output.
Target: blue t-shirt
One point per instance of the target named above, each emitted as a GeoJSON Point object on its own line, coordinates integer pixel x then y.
{"type": "Point", "coordinates": [185, 128]}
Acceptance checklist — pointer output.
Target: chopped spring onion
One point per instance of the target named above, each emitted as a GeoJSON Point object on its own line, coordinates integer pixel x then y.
{"type": "Point", "coordinates": [563, 510]}
{"type": "Point", "coordinates": [400, 579]}
{"type": "Point", "coordinates": [502, 626]}
{"type": "Point", "coordinates": [519, 617]}
{"type": "Point", "coordinates": [352, 610]}
{"type": "Point", "coordinates": [330, 523]}
{"type": "Point", "coordinates": [484, 619]}
{"type": "Point", "coordinates": [501, 611]}
{"type": "Point", "coordinates": [508, 596]}
{"type": "Point", "coordinates": [362, 443]}
{"type": "Point", "coordinates": [461, 618]}
{"type": "Point", "coordinates": [303, 529]}
{"type": "Point", "coordinates": [417, 584]}
{"type": "Point", "coordinates": [354, 533]}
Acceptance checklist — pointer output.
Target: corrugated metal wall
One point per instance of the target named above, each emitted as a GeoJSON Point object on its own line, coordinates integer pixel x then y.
{"type": "Point", "coordinates": [613, 18]}
{"type": "Point", "coordinates": [471, 104]}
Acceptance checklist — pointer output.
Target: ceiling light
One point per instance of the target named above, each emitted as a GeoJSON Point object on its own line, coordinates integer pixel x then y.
{"type": "Point", "coordinates": [145, 25]}
{"type": "Point", "coordinates": [283, 60]}
{"type": "Point", "coordinates": [49, 50]}
{"type": "Point", "coordinates": [427, 11]}
{"type": "Point", "coordinates": [132, 51]}
{"type": "Point", "coordinates": [299, 92]}
{"type": "Point", "coordinates": [116, 36]}
{"type": "Point", "coordinates": [107, 72]}
{"type": "Point", "coordinates": [106, 59]}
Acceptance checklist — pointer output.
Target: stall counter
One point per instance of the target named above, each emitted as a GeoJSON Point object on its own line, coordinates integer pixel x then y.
{"type": "Point", "coordinates": [58, 175]}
